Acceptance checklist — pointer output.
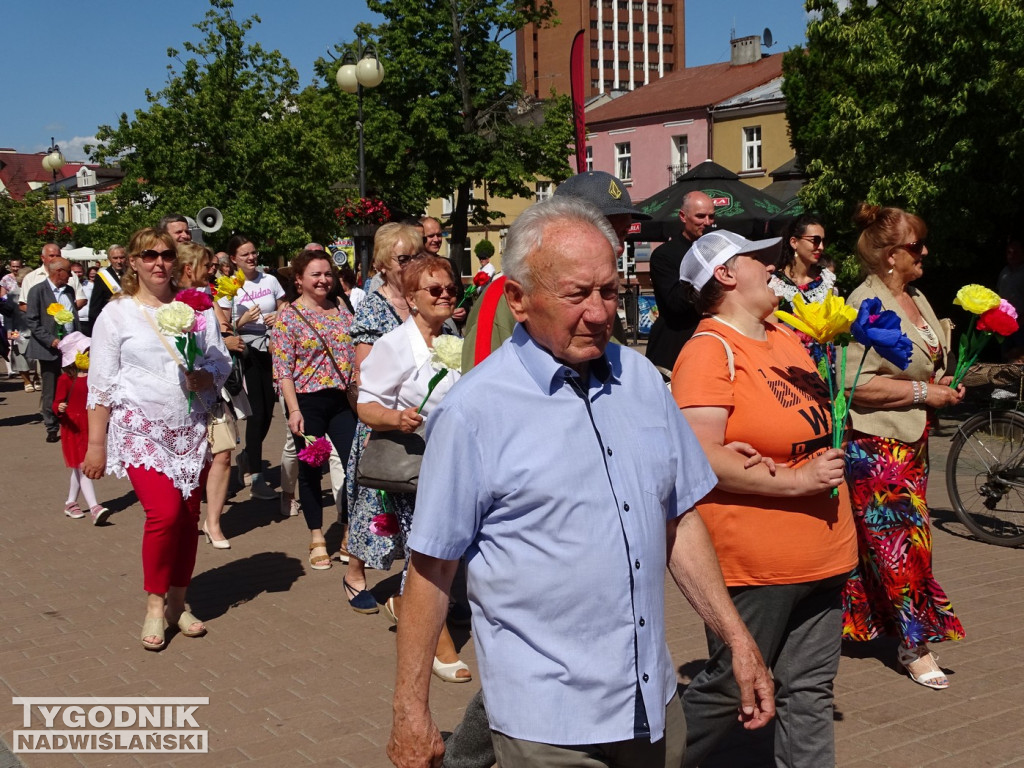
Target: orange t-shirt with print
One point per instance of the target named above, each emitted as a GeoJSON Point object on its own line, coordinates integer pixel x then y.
{"type": "Point", "coordinates": [779, 404]}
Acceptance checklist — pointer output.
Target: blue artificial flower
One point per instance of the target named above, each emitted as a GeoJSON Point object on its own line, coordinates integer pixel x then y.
{"type": "Point", "coordinates": [880, 330]}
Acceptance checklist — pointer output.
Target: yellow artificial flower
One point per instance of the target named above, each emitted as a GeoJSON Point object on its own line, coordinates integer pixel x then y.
{"type": "Point", "coordinates": [239, 277]}
{"type": "Point", "coordinates": [54, 308]}
{"type": "Point", "coordinates": [82, 361]}
{"type": "Point", "coordinates": [226, 287]}
{"type": "Point", "coordinates": [64, 316]}
{"type": "Point", "coordinates": [976, 299]}
{"type": "Point", "coordinates": [822, 321]}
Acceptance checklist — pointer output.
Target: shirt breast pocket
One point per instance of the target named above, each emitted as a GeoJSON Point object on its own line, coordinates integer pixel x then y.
{"type": "Point", "coordinates": [655, 460]}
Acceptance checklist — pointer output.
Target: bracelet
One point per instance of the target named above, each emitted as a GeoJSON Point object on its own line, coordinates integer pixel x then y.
{"type": "Point", "coordinates": [915, 387]}
{"type": "Point", "coordinates": [924, 391]}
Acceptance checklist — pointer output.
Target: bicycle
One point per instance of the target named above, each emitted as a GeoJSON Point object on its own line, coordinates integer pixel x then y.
{"type": "Point", "coordinates": [985, 475]}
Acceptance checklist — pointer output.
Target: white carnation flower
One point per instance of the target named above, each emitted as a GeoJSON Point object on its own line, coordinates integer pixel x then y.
{"type": "Point", "coordinates": [175, 318]}
{"type": "Point", "coordinates": [447, 353]}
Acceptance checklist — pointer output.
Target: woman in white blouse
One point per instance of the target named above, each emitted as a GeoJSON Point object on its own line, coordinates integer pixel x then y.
{"type": "Point", "coordinates": [141, 424]}
{"type": "Point", "coordinates": [394, 380]}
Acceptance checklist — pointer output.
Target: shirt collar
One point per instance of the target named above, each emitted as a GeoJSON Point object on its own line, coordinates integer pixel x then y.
{"type": "Point", "coordinates": [56, 291]}
{"type": "Point", "coordinates": [550, 374]}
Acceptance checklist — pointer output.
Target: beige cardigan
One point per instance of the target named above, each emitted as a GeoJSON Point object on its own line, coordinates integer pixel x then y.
{"type": "Point", "coordinates": [904, 423]}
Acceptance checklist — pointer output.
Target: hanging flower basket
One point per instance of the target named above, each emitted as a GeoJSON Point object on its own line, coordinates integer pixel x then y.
{"type": "Point", "coordinates": [361, 216]}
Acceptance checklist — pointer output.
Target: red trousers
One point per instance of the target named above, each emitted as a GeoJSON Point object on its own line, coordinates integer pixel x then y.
{"type": "Point", "coordinates": [170, 537]}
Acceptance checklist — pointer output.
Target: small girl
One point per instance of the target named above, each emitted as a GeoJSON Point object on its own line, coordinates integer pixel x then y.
{"type": "Point", "coordinates": [69, 405]}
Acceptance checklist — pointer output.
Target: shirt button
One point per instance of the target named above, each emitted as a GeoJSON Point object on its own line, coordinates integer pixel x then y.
{"type": "Point", "coordinates": [637, 565]}
{"type": "Point", "coordinates": [625, 507]}
{"type": "Point", "coordinates": [609, 451]}
{"type": "Point", "coordinates": [642, 622]}
{"type": "Point", "coordinates": [646, 678]}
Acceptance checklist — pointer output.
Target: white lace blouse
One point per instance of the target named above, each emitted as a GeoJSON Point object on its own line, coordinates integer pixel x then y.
{"type": "Point", "coordinates": [132, 373]}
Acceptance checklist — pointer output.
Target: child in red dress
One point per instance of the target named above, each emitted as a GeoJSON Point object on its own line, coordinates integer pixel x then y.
{"type": "Point", "coordinates": [69, 405]}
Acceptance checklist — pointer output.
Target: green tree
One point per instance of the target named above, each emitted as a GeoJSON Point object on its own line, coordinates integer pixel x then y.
{"type": "Point", "coordinates": [448, 116]}
{"type": "Point", "coordinates": [917, 104]}
{"type": "Point", "coordinates": [229, 129]}
{"type": "Point", "coordinates": [21, 222]}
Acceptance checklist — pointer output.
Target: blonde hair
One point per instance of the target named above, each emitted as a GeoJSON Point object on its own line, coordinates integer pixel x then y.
{"type": "Point", "coordinates": [190, 255]}
{"type": "Point", "coordinates": [883, 228]}
{"type": "Point", "coordinates": [143, 240]}
{"type": "Point", "coordinates": [387, 237]}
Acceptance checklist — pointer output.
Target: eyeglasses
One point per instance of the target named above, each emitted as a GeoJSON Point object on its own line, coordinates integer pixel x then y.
{"type": "Point", "coordinates": [917, 247]}
{"type": "Point", "coordinates": [405, 258]}
{"type": "Point", "coordinates": [814, 240]}
{"type": "Point", "coordinates": [437, 290]}
{"type": "Point", "coordinates": [150, 256]}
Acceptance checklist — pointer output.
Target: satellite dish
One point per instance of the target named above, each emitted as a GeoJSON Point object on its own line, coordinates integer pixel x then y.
{"type": "Point", "coordinates": [767, 38]}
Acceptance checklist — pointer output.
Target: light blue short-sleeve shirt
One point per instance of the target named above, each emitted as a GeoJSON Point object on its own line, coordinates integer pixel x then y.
{"type": "Point", "coordinates": [560, 501]}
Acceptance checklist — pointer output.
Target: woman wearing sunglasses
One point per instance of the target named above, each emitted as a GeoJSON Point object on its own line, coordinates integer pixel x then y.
{"type": "Point", "coordinates": [892, 591]}
{"type": "Point", "coordinates": [395, 247]}
{"type": "Point", "coordinates": [147, 420]}
{"type": "Point", "coordinates": [394, 381]}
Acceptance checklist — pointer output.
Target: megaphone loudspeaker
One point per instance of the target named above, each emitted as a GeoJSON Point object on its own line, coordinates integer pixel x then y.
{"type": "Point", "coordinates": [210, 219]}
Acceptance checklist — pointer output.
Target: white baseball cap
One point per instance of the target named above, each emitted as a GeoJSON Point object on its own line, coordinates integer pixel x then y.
{"type": "Point", "coordinates": [716, 248]}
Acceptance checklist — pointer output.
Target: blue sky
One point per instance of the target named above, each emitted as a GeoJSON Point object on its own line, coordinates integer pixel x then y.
{"type": "Point", "coordinates": [71, 66]}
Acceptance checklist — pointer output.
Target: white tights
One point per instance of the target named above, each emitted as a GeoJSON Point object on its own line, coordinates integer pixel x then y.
{"type": "Point", "coordinates": [80, 481]}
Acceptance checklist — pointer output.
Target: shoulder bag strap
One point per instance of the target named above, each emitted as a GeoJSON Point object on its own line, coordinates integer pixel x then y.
{"type": "Point", "coordinates": [728, 351]}
{"type": "Point", "coordinates": [485, 320]}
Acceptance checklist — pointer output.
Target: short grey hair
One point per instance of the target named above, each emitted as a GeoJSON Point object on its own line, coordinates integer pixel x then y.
{"type": "Point", "coordinates": [116, 247]}
{"type": "Point", "coordinates": [526, 235]}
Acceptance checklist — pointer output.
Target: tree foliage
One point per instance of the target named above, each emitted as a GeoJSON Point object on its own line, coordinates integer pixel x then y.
{"type": "Point", "coordinates": [918, 104]}
{"type": "Point", "coordinates": [448, 116]}
{"type": "Point", "coordinates": [229, 129]}
{"type": "Point", "coordinates": [21, 221]}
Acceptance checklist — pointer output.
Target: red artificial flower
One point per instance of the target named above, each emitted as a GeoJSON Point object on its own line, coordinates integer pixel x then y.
{"type": "Point", "coordinates": [384, 525]}
{"type": "Point", "coordinates": [198, 300]}
{"type": "Point", "coordinates": [997, 320]}
{"type": "Point", "coordinates": [481, 278]}
{"type": "Point", "coordinates": [316, 451]}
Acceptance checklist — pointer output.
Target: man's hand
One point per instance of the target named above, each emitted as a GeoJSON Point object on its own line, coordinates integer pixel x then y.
{"type": "Point", "coordinates": [757, 690]}
{"type": "Point", "coordinates": [415, 742]}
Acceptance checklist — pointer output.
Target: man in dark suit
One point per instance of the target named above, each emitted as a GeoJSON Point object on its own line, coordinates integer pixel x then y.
{"type": "Point", "coordinates": [43, 344]}
{"type": "Point", "coordinates": [677, 317]}
{"type": "Point", "coordinates": [108, 281]}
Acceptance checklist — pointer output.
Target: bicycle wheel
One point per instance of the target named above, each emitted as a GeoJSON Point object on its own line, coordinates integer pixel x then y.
{"type": "Point", "coordinates": [985, 476]}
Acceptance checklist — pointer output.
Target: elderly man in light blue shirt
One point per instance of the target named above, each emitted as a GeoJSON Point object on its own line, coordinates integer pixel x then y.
{"type": "Point", "coordinates": [563, 471]}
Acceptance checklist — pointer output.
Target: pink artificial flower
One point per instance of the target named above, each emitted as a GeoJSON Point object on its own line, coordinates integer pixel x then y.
{"type": "Point", "coordinates": [316, 451]}
{"type": "Point", "coordinates": [200, 323]}
{"type": "Point", "coordinates": [198, 300]}
{"type": "Point", "coordinates": [384, 525]}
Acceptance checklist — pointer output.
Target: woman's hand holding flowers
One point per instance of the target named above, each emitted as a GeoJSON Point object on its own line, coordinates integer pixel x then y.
{"type": "Point", "coordinates": [408, 420]}
{"type": "Point", "coordinates": [822, 473]}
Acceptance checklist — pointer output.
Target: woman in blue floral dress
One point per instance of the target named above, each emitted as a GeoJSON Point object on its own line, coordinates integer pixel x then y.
{"type": "Point", "coordinates": [383, 310]}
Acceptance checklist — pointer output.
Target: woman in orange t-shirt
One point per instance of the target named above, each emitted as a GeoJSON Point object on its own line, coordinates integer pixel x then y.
{"type": "Point", "coordinates": [785, 545]}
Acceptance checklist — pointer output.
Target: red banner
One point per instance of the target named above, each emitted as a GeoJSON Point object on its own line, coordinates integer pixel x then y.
{"type": "Point", "coordinates": [578, 81]}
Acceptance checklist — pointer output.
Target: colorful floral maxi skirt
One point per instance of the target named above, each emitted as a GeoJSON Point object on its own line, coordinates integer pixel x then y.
{"type": "Point", "coordinates": [892, 590]}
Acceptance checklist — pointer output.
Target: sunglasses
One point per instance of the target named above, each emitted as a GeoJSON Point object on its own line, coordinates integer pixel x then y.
{"type": "Point", "coordinates": [405, 258]}
{"type": "Point", "coordinates": [814, 240]}
{"type": "Point", "coordinates": [437, 290]}
{"type": "Point", "coordinates": [917, 247]}
{"type": "Point", "coordinates": [150, 256]}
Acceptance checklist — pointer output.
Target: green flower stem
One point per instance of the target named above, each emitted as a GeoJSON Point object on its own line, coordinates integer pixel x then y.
{"type": "Point", "coordinates": [430, 387]}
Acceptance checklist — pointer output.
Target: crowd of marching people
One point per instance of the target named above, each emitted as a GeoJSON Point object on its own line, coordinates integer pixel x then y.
{"type": "Point", "coordinates": [551, 475]}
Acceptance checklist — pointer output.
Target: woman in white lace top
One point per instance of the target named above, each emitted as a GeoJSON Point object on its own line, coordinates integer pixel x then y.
{"type": "Point", "coordinates": [147, 420]}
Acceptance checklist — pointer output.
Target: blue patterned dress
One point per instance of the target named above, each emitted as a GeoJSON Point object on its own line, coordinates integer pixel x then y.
{"type": "Point", "coordinates": [374, 317]}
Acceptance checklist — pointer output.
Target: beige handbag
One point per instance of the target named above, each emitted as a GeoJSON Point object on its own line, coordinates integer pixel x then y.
{"type": "Point", "coordinates": [222, 429]}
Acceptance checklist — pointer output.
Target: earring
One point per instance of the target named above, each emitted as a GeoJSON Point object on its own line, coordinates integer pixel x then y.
{"type": "Point", "coordinates": [891, 269]}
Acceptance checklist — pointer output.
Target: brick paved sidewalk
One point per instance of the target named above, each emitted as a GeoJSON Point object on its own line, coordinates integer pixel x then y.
{"type": "Point", "coordinates": [296, 678]}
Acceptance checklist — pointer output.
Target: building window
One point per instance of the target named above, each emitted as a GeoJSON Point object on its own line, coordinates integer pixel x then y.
{"type": "Point", "coordinates": [680, 154]}
{"type": "Point", "coordinates": [590, 159]}
{"type": "Point", "coordinates": [544, 190]}
{"type": "Point", "coordinates": [448, 205]}
{"type": "Point", "coordinates": [752, 148]}
{"type": "Point", "coordinates": [624, 161]}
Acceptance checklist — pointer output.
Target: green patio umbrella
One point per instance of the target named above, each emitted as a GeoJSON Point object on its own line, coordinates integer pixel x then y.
{"type": "Point", "coordinates": [739, 207]}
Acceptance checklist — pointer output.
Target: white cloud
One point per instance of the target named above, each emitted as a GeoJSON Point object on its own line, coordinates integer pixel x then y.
{"type": "Point", "coordinates": [74, 149]}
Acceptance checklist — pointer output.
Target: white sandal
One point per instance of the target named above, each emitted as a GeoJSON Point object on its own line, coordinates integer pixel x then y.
{"type": "Point", "coordinates": [934, 677]}
{"type": "Point", "coordinates": [448, 672]}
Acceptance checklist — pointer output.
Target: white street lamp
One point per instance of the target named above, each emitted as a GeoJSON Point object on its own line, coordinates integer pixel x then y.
{"type": "Point", "coordinates": [53, 162]}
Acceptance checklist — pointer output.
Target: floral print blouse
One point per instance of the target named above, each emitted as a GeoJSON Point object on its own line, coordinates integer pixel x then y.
{"type": "Point", "coordinates": [299, 354]}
